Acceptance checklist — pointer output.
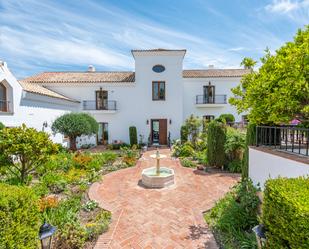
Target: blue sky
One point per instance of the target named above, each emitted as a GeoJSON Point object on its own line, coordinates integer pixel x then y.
{"type": "Point", "coordinates": [51, 35]}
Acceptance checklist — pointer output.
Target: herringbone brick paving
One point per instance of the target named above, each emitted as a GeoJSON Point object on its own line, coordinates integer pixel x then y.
{"type": "Point", "coordinates": [159, 218]}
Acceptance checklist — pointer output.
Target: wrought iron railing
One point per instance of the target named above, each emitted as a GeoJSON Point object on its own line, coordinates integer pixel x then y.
{"type": "Point", "coordinates": [291, 139]}
{"type": "Point", "coordinates": [216, 99]}
{"type": "Point", "coordinates": [4, 106]}
{"type": "Point", "coordinates": [106, 105]}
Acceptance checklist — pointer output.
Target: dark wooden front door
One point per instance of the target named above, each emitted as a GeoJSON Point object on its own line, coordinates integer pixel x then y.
{"type": "Point", "coordinates": [159, 131]}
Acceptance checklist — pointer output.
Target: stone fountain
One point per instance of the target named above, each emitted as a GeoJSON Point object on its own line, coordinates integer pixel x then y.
{"type": "Point", "coordinates": [157, 177]}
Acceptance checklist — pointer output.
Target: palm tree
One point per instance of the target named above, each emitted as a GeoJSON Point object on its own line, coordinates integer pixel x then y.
{"type": "Point", "coordinates": [248, 63]}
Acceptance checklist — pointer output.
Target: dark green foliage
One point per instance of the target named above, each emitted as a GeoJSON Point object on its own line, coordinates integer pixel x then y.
{"type": "Point", "coordinates": [226, 118]}
{"type": "Point", "coordinates": [183, 134]}
{"type": "Point", "coordinates": [234, 216]}
{"type": "Point", "coordinates": [74, 125]}
{"type": "Point", "coordinates": [286, 213]}
{"type": "Point", "coordinates": [215, 140]}
{"type": "Point", "coordinates": [250, 140]}
{"type": "Point", "coordinates": [19, 218]}
{"type": "Point", "coordinates": [235, 166]}
{"type": "Point", "coordinates": [117, 146]}
{"type": "Point", "coordinates": [2, 126]}
{"type": "Point", "coordinates": [133, 135]}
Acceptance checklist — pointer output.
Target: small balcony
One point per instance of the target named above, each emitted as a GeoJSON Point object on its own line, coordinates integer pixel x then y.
{"type": "Point", "coordinates": [210, 101]}
{"type": "Point", "coordinates": [5, 106]}
{"type": "Point", "coordinates": [109, 106]}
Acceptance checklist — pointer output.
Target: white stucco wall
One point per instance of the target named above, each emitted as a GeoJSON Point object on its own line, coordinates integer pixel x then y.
{"type": "Point", "coordinates": [32, 109]}
{"type": "Point", "coordinates": [263, 166]}
{"type": "Point", "coordinates": [194, 86]}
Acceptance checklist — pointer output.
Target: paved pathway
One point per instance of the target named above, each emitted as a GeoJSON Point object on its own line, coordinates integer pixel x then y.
{"type": "Point", "coordinates": [159, 218]}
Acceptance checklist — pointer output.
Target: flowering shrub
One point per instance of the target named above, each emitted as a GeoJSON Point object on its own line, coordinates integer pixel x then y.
{"type": "Point", "coordinates": [48, 202]}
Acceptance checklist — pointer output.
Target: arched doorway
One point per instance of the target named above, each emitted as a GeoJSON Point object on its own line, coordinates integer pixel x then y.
{"type": "Point", "coordinates": [3, 100]}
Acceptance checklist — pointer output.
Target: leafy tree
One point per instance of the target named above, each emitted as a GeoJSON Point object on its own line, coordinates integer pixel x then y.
{"type": "Point", "coordinates": [279, 91]}
{"type": "Point", "coordinates": [193, 125]}
{"type": "Point", "coordinates": [248, 63]}
{"type": "Point", "coordinates": [24, 149]}
{"type": "Point", "coordinates": [74, 125]}
{"type": "Point", "coordinates": [215, 140]}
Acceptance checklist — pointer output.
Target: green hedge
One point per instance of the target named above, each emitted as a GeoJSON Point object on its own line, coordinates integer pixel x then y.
{"type": "Point", "coordinates": [19, 218]}
{"type": "Point", "coordinates": [286, 213]}
{"type": "Point", "coordinates": [2, 126]}
{"type": "Point", "coordinates": [215, 141]}
{"type": "Point", "coordinates": [133, 135]}
{"type": "Point", "coordinates": [183, 134]}
{"type": "Point", "coordinates": [227, 118]}
{"type": "Point", "coordinates": [250, 140]}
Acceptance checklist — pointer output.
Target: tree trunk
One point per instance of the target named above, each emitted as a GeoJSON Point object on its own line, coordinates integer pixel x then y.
{"type": "Point", "coordinates": [73, 143]}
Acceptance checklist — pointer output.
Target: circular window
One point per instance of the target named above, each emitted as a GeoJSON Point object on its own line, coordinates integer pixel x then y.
{"type": "Point", "coordinates": [158, 68]}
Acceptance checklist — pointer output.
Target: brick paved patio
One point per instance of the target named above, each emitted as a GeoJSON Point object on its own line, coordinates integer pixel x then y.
{"type": "Point", "coordinates": [159, 218]}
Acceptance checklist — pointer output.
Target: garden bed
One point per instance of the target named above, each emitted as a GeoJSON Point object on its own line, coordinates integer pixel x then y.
{"type": "Point", "coordinates": [57, 182]}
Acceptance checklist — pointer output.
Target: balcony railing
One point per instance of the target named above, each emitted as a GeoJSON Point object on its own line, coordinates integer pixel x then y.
{"type": "Point", "coordinates": [291, 139]}
{"type": "Point", "coordinates": [216, 99]}
{"type": "Point", "coordinates": [110, 105]}
{"type": "Point", "coordinates": [4, 106]}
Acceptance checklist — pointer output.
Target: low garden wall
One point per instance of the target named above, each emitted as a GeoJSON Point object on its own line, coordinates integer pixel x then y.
{"type": "Point", "coordinates": [265, 163]}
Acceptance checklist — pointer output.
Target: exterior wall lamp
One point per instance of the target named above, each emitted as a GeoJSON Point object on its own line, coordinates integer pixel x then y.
{"type": "Point", "coordinates": [45, 124]}
{"type": "Point", "coordinates": [170, 121]}
{"type": "Point", "coordinates": [147, 122]}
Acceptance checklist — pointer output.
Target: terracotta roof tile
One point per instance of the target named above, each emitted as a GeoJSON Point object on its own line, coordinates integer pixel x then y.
{"type": "Point", "coordinates": [208, 73]}
{"type": "Point", "coordinates": [81, 77]}
{"type": "Point", "coordinates": [38, 89]}
{"type": "Point", "coordinates": [118, 77]}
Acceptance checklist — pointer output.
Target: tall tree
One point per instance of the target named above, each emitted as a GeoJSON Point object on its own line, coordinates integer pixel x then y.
{"type": "Point", "coordinates": [279, 91]}
{"type": "Point", "coordinates": [74, 125]}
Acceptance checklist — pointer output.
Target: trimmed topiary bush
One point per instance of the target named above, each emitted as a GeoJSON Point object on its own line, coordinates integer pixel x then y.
{"type": "Point", "coordinates": [19, 216]}
{"type": "Point", "coordinates": [286, 213]}
{"type": "Point", "coordinates": [2, 126]}
{"type": "Point", "coordinates": [250, 140]}
{"type": "Point", "coordinates": [133, 135]}
{"type": "Point", "coordinates": [215, 141]}
{"type": "Point", "coordinates": [226, 118]}
{"type": "Point", "coordinates": [183, 134]}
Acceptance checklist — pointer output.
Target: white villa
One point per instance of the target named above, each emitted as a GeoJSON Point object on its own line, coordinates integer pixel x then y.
{"type": "Point", "coordinates": [156, 98]}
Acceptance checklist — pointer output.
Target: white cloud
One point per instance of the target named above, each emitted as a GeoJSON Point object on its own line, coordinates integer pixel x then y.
{"type": "Point", "coordinates": [296, 10]}
{"type": "Point", "coordinates": [282, 6]}
{"type": "Point", "coordinates": [48, 34]}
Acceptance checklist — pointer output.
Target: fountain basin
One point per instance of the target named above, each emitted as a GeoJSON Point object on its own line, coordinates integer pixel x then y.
{"type": "Point", "coordinates": [151, 179]}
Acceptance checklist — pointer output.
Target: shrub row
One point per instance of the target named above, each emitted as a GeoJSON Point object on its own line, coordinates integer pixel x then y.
{"type": "Point", "coordinates": [286, 213]}
{"type": "Point", "coordinates": [19, 216]}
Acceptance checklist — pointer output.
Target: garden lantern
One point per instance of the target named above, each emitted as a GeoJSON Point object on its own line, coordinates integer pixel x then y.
{"type": "Point", "coordinates": [259, 231]}
{"type": "Point", "coordinates": [46, 233]}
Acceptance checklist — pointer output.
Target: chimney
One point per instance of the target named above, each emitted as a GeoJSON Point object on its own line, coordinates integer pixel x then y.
{"type": "Point", "coordinates": [91, 68]}
{"type": "Point", "coordinates": [211, 66]}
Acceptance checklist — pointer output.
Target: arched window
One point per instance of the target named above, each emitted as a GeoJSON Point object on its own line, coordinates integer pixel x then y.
{"type": "Point", "coordinates": [3, 102]}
